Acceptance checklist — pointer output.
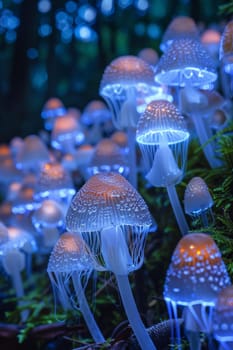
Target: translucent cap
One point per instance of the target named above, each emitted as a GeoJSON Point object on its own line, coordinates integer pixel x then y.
{"type": "Point", "coordinates": [95, 112]}
{"type": "Point", "coordinates": [70, 254]}
{"type": "Point", "coordinates": [161, 121]}
{"type": "Point", "coordinates": [210, 36]}
{"type": "Point", "coordinates": [106, 199]}
{"type": "Point", "coordinates": [120, 138]}
{"type": "Point", "coordinates": [108, 156]}
{"type": "Point", "coordinates": [19, 239]}
{"type": "Point", "coordinates": [186, 62]}
{"type": "Point", "coordinates": [66, 128]}
{"type": "Point", "coordinates": [149, 55]}
{"type": "Point", "coordinates": [197, 272]}
{"type": "Point", "coordinates": [32, 154]}
{"type": "Point", "coordinates": [8, 171]}
{"type": "Point", "coordinates": [223, 315]}
{"type": "Point", "coordinates": [24, 201]}
{"type": "Point", "coordinates": [197, 197]}
{"type": "Point", "coordinates": [226, 42]}
{"type": "Point", "coordinates": [53, 178]}
{"type": "Point", "coordinates": [5, 152]}
{"type": "Point", "coordinates": [180, 27]}
{"type": "Point", "coordinates": [127, 70]}
{"type": "Point", "coordinates": [50, 213]}
{"type": "Point", "coordinates": [53, 108]}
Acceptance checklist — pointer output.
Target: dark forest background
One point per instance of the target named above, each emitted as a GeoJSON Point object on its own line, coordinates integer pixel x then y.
{"type": "Point", "coordinates": [60, 48]}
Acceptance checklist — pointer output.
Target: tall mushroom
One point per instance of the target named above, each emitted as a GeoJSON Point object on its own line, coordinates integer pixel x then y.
{"type": "Point", "coordinates": [114, 221]}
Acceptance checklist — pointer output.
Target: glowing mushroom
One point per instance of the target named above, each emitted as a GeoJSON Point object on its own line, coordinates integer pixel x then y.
{"type": "Point", "coordinates": [163, 138]}
{"type": "Point", "coordinates": [108, 156]}
{"type": "Point", "coordinates": [198, 201]}
{"type": "Point", "coordinates": [114, 221]}
{"type": "Point", "coordinates": [52, 109]}
{"type": "Point", "coordinates": [69, 268]}
{"type": "Point", "coordinates": [127, 85]}
{"type": "Point", "coordinates": [223, 319]}
{"type": "Point", "coordinates": [181, 27]}
{"type": "Point", "coordinates": [194, 278]}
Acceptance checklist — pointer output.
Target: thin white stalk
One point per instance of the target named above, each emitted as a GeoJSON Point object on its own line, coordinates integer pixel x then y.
{"type": "Point", "coordinates": [13, 263]}
{"type": "Point", "coordinates": [177, 209]}
{"type": "Point", "coordinates": [117, 259]}
{"type": "Point", "coordinates": [131, 310]}
{"type": "Point", "coordinates": [203, 138]}
{"type": "Point", "coordinates": [85, 310]}
{"type": "Point", "coordinates": [131, 133]}
{"type": "Point", "coordinates": [19, 291]}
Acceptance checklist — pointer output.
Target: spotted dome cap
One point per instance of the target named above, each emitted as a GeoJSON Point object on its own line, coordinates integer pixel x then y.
{"type": "Point", "coordinates": [161, 117]}
{"type": "Point", "coordinates": [223, 315]}
{"type": "Point", "coordinates": [127, 70]}
{"type": "Point", "coordinates": [70, 254]}
{"type": "Point", "coordinates": [186, 62]}
{"type": "Point", "coordinates": [197, 197]}
{"type": "Point", "coordinates": [197, 272]}
{"type": "Point", "coordinates": [180, 27]}
{"type": "Point", "coordinates": [106, 199]}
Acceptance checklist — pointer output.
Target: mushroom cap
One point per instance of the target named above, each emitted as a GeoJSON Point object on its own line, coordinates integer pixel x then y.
{"type": "Point", "coordinates": [95, 112]}
{"type": "Point", "coordinates": [186, 62]}
{"type": "Point", "coordinates": [108, 156]}
{"type": "Point", "coordinates": [180, 27]}
{"type": "Point", "coordinates": [32, 154]}
{"type": "Point", "coordinates": [53, 179]}
{"type": "Point", "coordinates": [70, 254]}
{"type": "Point", "coordinates": [106, 199]}
{"type": "Point", "coordinates": [197, 197]}
{"type": "Point", "coordinates": [223, 315]}
{"type": "Point", "coordinates": [52, 108]}
{"type": "Point", "coordinates": [127, 71]}
{"type": "Point", "coordinates": [50, 213]}
{"type": "Point", "coordinates": [161, 118]}
{"type": "Point", "coordinates": [197, 272]}
{"type": "Point", "coordinates": [226, 42]}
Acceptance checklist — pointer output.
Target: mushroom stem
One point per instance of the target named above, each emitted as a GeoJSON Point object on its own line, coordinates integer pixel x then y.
{"type": "Point", "coordinates": [117, 259]}
{"type": "Point", "coordinates": [176, 206]}
{"type": "Point", "coordinates": [132, 156]}
{"type": "Point", "coordinates": [131, 310]}
{"type": "Point", "coordinates": [14, 263]}
{"type": "Point", "coordinates": [204, 141]}
{"type": "Point", "coordinates": [85, 310]}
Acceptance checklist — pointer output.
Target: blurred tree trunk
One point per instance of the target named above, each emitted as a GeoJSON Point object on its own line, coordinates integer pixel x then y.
{"type": "Point", "coordinates": [16, 102]}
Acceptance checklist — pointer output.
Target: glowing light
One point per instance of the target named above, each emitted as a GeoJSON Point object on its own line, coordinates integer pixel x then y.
{"type": "Point", "coordinates": [153, 31]}
{"type": "Point", "coordinates": [45, 30]}
{"type": "Point", "coordinates": [186, 62]}
{"type": "Point", "coordinates": [66, 35]}
{"type": "Point", "coordinates": [125, 3]}
{"type": "Point", "coordinates": [223, 317]}
{"type": "Point", "coordinates": [195, 258]}
{"type": "Point", "coordinates": [107, 7]}
{"type": "Point", "coordinates": [71, 6]}
{"type": "Point", "coordinates": [87, 13]}
{"type": "Point", "coordinates": [44, 6]}
{"type": "Point", "coordinates": [64, 21]}
{"type": "Point", "coordinates": [142, 5]}
{"type": "Point", "coordinates": [180, 27]}
{"type": "Point", "coordinates": [197, 198]}
{"type": "Point", "coordinates": [85, 33]}
{"type": "Point", "coordinates": [8, 20]}
{"type": "Point", "coordinates": [107, 157]}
